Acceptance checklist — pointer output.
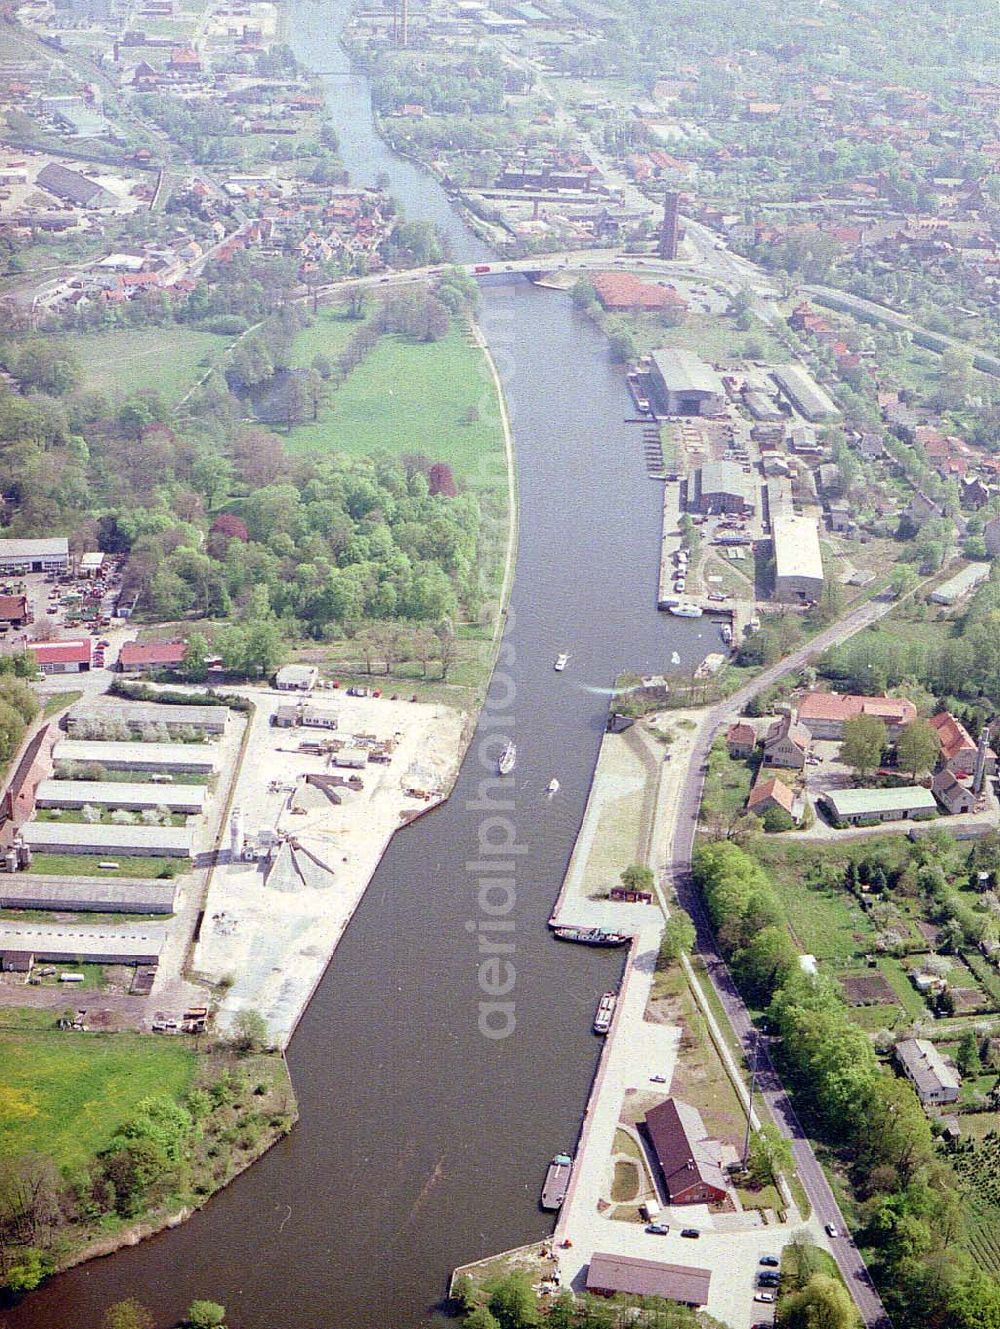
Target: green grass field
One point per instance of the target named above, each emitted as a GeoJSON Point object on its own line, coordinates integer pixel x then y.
{"type": "Point", "coordinates": [414, 397]}
{"type": "Point", "coordinates": [85, 865]}
{"type": "Point", "coordinates": [169, 360]}
{"type": "Point", "coordinates": [328, 335]}
{"type": "Point", "coordinates": [66, 1094]}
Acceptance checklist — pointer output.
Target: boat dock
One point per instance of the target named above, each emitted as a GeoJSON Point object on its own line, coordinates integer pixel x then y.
{"type": "Point", "coordinates": [557, 1181]}
{"type": "Point", "coordinates": [670, 542]}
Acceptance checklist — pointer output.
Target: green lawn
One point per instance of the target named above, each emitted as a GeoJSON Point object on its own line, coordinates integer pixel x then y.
{"type": "Point", "coordinates": [328, 335]}
{"type": "Point", "coordinates": [169, 360]}
{"type": "Point", "coordinates": [415, 397]}
{"type": "Point", "coordinates": [85, 865]}
{"type": "Point", "coordinates": [59, 701]}
{"type": "Point", "coordinates": [65, 1093]}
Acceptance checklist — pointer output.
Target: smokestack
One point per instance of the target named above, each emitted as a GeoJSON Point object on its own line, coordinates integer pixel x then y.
{"type": "Point", "coordinates": [981, 756]}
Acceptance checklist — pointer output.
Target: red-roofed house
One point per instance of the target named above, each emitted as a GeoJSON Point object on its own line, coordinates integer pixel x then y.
{"type": "Point", "coordinates": [825, 713]}
{"type": "Point", "coordinates": [61, 657]}
{"type": "Point", "coordinates": [771, 793]}
{"type": "Point", "coordinates": [958, 752]}
{"type": "Point", "coordinates": [688, 1157]}
{"type": "Point", "coordinates": [138, 657]}
{"type": "Point", "coordinates": [741, 739]}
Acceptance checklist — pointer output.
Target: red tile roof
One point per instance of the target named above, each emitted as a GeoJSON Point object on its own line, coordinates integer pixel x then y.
{"type": "Point", "coordinates": [838, 706]}
{"type": "Point", "coordinates": [772, 789]}
{"type": "Point", "coordinates": [13, 607]}
{"type": "Point", "coordinates": [61, 652]}
{"type": "Point", "coordinates": [953, 735]}
{"type": "Point", "coordinates": [623, 290]}
{"type": "Point", "coordinates": [153, 653]}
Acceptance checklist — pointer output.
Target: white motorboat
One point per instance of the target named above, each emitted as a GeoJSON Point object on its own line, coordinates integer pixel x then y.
{"type": "Point", "coordinates": [562, 660]}
{"type": "Point", "coordinates": [552, 787]}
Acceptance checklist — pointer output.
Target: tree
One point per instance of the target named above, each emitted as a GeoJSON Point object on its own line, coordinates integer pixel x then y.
{"type": "Point", "coordinates": [481, 1317]}
{"type": "Point", "coordinates": [865, 737]}
{"type": "Point", "coordinates": [917, 747]}
{"type": "Point", "coordinates": [967, 1058]}
{"type": "Point", "coordinates": [128, 1314]}
{"type": "Point", "coordinates": [678, 938]}
{"type": "Point", "coordinates": [904, 580]}
{"type": "Point", "coordinates": [778, 819]}
{"type": "Point", "coordinates": [513, 1302]}
{"type": "Point", "coordinates": [193, 666]}
{"type": "Point", "coordinates": [824, 1303]}
{"type": "Point", "coordinates": [447, 646]}
{"type": "Point", "coordinates": [769, 1155]}
{"type": "Point", "coordinates": [205, 1315]}
{"type": "Point", "coordinates": [637, 877]}
{"type": "Point", "coordinates": [250, 1032]}
{"type": "Point", "coordinates": [134, 417]}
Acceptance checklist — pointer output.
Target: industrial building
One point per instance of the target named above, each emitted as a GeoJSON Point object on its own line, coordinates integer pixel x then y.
{"type": "Point", "coordinates": [136, 714]}
{"type": "Point", "coordinates": [723, 486]}
{"type": "Point", "coordinates": [186, 798]}
{"type": "Point", "coordinates": [684, 384]}
{"type": "Point", "coordinates": [22, 944]}
{"type": "Point", "coordinates": [296, 678]}
{"type": "Point", "coordinates": [867, 806]}
{"type": "Point", "coordinates": [61, 657]}
{"type": "Point", "coordinates": [149, 657]}
{"type": "Point", "coordinates": [189, 758]}
{"type": "Point", "coordinates": [34, 555]}
{"type": "Point", "coordinates": [798, 562]}
{"type": "Point", "coordinates": [95, 895]}
{"type": "Point", "coordinates": [952, 590]}
{"type": "Point", "coordinates": [824, 714]}
{"type": "Point", "coordinates": [608, 1275]}
{"type": "Point", "coordinates": [805, 394]}
{"type": "Point", "coordinates": [54, 837]}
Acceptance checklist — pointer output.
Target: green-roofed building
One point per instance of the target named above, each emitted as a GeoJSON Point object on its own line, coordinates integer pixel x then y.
{"type": "Point", "coordinates": [860, 807]}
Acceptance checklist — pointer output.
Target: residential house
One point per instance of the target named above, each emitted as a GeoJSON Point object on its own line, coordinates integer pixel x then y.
{"type": "Point", "coordinates": [741, 739]}
{"type": "Point", "coordinates": [931, 1076]}
{"type": "Point", "coordinates": [296, 678]}
{"type": "Point", "coordinates": [771, 793]}
{"type": "Point", "coordinates": [958, 752]}
{"type": "Point", "coordinates": [786, 744]}
{"type": "Point", "coordinates": [955, 797]}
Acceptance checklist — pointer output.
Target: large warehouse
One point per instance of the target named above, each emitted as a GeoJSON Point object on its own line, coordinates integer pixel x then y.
{"type": "Point", "coordinates": [723, 486]}
{"type": "Point", "coordinates": [798, 562]}
{"type": "Point", "coordinates": [684, 384]}
{"type": "Point", "coordinates": [93, 895]}
{"type": "Point", "coordinates": [64, 943]}
{"type": "Point", "coordinates": [53, 837]}
{"type": "Point", "coordinates": [137, 714]}
{"type": "Point", "coordinates": [805, 394]}
{"type": "Point", "coordinates": [34, 555]}
{"type": "Point", "coordinates": [190, 758]}
{"type": "Point", "coordinates": [186, 798]}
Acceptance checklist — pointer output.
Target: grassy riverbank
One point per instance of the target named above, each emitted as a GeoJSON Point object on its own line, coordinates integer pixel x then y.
{"type": "Point", "coordinates": [113, 1135]}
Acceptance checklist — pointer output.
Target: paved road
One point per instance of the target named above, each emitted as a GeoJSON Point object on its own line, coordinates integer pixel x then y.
{"type": "Point", "coordinates": [823, 1201]}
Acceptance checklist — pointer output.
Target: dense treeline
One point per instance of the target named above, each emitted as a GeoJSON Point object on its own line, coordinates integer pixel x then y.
{"type": "Point", "coordinates": [965, 666]}
{"type": "Point", "coordinates": [908, 1204]}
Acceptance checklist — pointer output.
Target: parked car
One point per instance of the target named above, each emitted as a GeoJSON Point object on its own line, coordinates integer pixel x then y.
{"type": "Point", "coordinates": [690, 1232]}
{"type": "Point", "coordinates": [770, 1261]}
{"type": "Point", "coordinates": [658, 1229]}
{"type": "Point", "coordinates": [765, 1296]}
{"type": "Point", "coordinates": [832, 1230]}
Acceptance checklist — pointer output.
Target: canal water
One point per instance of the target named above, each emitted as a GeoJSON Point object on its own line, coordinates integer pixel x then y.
{"type": "Point", "coordinates": [423, 1142]}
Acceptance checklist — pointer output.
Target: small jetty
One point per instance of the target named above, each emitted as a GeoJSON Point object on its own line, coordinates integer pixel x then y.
{"type": "Point", "coordinates": [557, 1181]}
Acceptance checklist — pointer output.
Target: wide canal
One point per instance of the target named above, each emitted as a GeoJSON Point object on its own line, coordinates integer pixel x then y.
{"type": "Point", "coordinates": [422, 1142]}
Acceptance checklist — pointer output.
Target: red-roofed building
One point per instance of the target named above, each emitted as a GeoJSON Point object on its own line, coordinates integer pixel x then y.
{"type": "Point", "coordinates": [958, 752]}
{"type": "Point", "coordinates": [14, 610]}
{"type": "Point", "coordinates": [825, 713]}
{"type": "Point", "coordinates": [741, 739]}
{"type": "Point", "coordinates": [137, 657]}
{"type": "Point", "coordinates": [623, 290]}
{"type": "Point", "coordinates": [61, 657]}
{"type": "Point", "coordinates": [771, 793]}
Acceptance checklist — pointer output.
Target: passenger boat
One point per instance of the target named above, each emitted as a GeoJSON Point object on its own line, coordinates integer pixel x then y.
{"type": "Point", "coordinates": [552, 787]}
{"type": "Point", "coordinates": [507, 758]}
{"type": "Point", "coordinates": [686, 610]}
{"type": "Point", "coordinates": [557, 1181]}
{"type": "Point", "coordinates": [562, 660]}
{"type": "Point", "coordinates": [605, 1012]}
{"type": "Point", "coordinates": [591, 936]}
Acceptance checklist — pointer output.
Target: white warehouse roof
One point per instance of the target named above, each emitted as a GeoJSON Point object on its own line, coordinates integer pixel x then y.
{"type": "Point", "coordinates": [56, 548]}
{"type": "Point", "coordinates": [169, 756]}
{"type": "Point", "coordinates": [210, 718]}
{"type": "Point", "coordinates": [683, 371]}
{"type": "Point", "coordinates": [188, 798]}
{"type": "Point", "coordinates": [71, 941]}
{"type": "Point", "coordinates": [796, 547]}
{"type": "Point", "coordinates": [83, 838]}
